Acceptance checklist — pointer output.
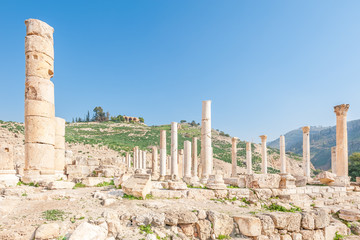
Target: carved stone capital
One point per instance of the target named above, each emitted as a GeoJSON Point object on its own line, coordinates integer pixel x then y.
{"type": "Point", "coordinates": [306, 129]}
{"type": "Point", "coordinates": [341, 110]}
{"type": "Point", "coordinates": [263, 138]}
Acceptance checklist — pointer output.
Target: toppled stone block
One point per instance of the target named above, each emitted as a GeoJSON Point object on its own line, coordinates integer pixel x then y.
{"type": "Point", "coordinates": [349, 215]}
{"type": "Point", "coordinates": [239, 181]}
{"type": "Point", "coordinates": [138, 185]}
{"type": "Point", "coordinates": [301, 181]}
{"type": "Point", "coordinates": [326, 177]}
{"type": "Point", "coordinates": [287, 181]}
{"type": "Point", "coordinates": [118, 181]}
{"type": "Point", "coordinates": [341, 182]}
{"type": "Point", "coordinates": [222, 224]}
{"type": "Point", "coordinates": [60, 185]}
{"type": "Point", "coordinates": [177, 185]}
{"type": "Point", "coordinates": [286, 221]}
{"type": "Point", "coordinates": [263, 181]}
{"type": "Point", "coordinates": [90, 232]}
{"type": "Point", "coordinates": [47, 231]}
{"type": "Point", "coordinates": [248, 225]}
{"type": "Point", "coordinates": [93, 181]}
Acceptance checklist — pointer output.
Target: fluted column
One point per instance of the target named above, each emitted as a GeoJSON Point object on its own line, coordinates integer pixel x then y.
{"type": "Point", "coordinates": [282, 155]}
{"type": "Point", "coordinates": [264, 163]}
{"type": "Point", "coordinates": [187, 159]}
{"type": "Point", "coordinates": [333, 159]}
{"type": "Point", "coordinates": [39, 101]}
{"type": "Point", "coordinates": [162, 154]}
{"type": "Point", "coordinates": [234, 156]}
{"type": "Point", "coordinates": [341, 140]}
{"type": "Point", "coordinates": [194, 152]}
{"type": "Point", "coordinates": [128, 160]}
{"type": "Point", "coordinates": [206, 149]}
{"type": "Point", "coordinates": [306, 151]}
{"type": "Point", "coordinates": [174, 150]}
{"type": "Point", "coordinates": [248, 158]}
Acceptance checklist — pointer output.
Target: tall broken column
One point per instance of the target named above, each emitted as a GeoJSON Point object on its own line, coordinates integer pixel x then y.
{"type": "Point", "coordinates": [60, 147]}
{"type": "Point", "coordinates": [233, 157]}
{"type": "Point", "coordinates": [144, 159]}
{"type": "Point", "coordinates": [181, 163]}
{"type": "Point", "coordinates": [39, 102]}
{"type": "Point", "coordinates": [206, 149]}
{"type": "Point", "coordinates": [174, 150]}
{"type": "Point", "coordinates": [154, 163]}
{"type": "Point", "coordinates": [194, 166]}
{"type": "Point", "coordinates": [140, 158]}
{"type": "Point", "coordinates": [248, 158]}
{"type": "Point", "coordinates": [333, 159]}
{"type": "Point", "coordinates": [306, 151]}
{"type": "Point", "coordinates": [264, 163]}
{"type": "Point", "coordinates": [162, 154]}
{"type": "Point", "coordinates": [128, 160]}
{"type": "Point", "coordinates": [341, 140]}
{"type": "Point", "coordinates": [187, 161]}
{"type": "Point", "coordinates": [282, 155]}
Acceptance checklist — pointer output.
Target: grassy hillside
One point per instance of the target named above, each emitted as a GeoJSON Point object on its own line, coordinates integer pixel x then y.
{"type": "Point", "coordinates": [321, 141]}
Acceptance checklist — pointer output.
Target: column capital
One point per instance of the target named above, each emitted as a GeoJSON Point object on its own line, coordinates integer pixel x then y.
{"type": "Point", "coordinates": [341, 110]}
{"type": "Point", "coordinates": [263, 138]}
{"type": "Point", "coordinates": [234, 139]}
{"type": "Point", "coordinates": [306, 129]}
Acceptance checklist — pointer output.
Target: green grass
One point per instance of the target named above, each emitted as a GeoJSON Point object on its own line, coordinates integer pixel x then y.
{"type": "Point", "coordinates": [28, 184]}
{"type": "Point", "coordinates": [338, 236]}
{"type": "Point", "coordinates": [223, 237]}
{"type": "Point", "coordinates": [79, 185]}
{"type": "Point", "coordinates": [131, 197]}
{"type": "Point", "coordinates": [54, 215]}
{"type": "Point", "coordinates": [104, 184]}
{"type": "Point", "coordinates": [146, 229]}
{"type": "Point", "coordinates": [274, 207]}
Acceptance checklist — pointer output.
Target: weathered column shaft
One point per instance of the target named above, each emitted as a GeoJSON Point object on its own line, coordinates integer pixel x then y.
{"type": "Point", "coordinates": [306, 151]}
{"type": "Point", "coordinates": [282, 155]}
{"type": "Point", "coordinates": [264, 163]}
{"type": "Point", "coordinates": [194, 166]}
{"type": "Point", "coordinates": [248, 158]}
{"type": "Point", "coordinates": [187, 159]}
{"type": "Point", "coordinates": [144, 159]}
{"type": "Point", "coordinates": [206, 149]}
{"type": "Point", "coordinates": [174, 149]}
{"type": "Point", "coordinates": [181, 163]}
{"type": "Point", "coordinates": [341, 140]}
{"type": "Point", "coordinates": [59, 164]}
{"type": "Point", "coordinates": [333, 159]}
{"type": "Point", "coordinates": [162, 153]}
{"type": "Point", "coordinates": [128, 160]}
{"type": "Point", "coordinates": [141, 159]}
{"type": "Point", "coordinates": [154, 162]}
{"type": "Point", "coordinates": [234, 157]}
{"type": "Point", "coordinates": [39, 100]}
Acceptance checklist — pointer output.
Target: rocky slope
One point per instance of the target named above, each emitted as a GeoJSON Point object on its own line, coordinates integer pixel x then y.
{"type": "Point", "coordinates": [321, 140]}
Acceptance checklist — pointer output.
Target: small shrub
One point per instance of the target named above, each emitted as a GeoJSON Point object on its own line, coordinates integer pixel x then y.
{"type": "Point", "coordinates": [131, 197]}
{"type": "Point", "coordinates": [338, 236]}
{"type": "Point", "coordinates": [223, 237]}
{"type": "Point", "coordinates": [275, 207]}
{"type": "Point", "coordinates": [146, 229]}
{"type": "Point", "coordinates": [79, 185]}
{"type": "Point", "coordinates": [53, 215]}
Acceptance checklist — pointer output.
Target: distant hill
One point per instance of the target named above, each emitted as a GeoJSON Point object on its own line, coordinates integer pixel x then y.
{"type": "Point", "coordinates": [321, 141]}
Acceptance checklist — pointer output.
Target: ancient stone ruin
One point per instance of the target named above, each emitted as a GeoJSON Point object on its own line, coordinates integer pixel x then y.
{"type": "Point", "coordinates": [150, 193]}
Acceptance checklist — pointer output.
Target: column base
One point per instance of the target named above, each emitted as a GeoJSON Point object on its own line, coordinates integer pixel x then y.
{"type": "Point", "coordinates": [204, 179]}
{"type": "Point", "coordinates": [37, 176]}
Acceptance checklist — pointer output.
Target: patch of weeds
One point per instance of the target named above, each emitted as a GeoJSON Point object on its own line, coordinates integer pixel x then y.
{"type": "Point", "coordinates": [312, 205]}
{"type": "Point", "coordinates": [274, 207]}
{"type": "Point", "coordinates": [244, 200]}
{"type": "Point", "coordinates": [149, 196]}
{"type": "Point", "coordinates": [24, 194]}
{"type": "Point", "coordinates": [253, 212]}
{"type": "Point", "coordinates": [338, 236]}
{"type": "Point", "coordinates": [223, 237]}
{"type": "Point", "coordinates": [53, 215]}
{"type": "Point", "coordinates": [197, 187]}
{"type": "Point", "coordinates": [20, 183]}
{"type": "Point", "coordinates": [61, 238]}
{"type": "Point", "coordinates": [131, 197]}
{"type": "Point", "coordinates": [73, 219]}
{"type": "Point", "coordinates": [79, 185]}
{"type": "Point", "coordinates": [146, 229]}
{"type": "Point", "coordinates": [231, 187]}
{"type": "Point", "coordinates": [104, 184]}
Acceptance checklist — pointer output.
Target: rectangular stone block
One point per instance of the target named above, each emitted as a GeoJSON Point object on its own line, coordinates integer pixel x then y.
{"type": "Point", "coordinates": [37, 27]}
{"type": "Point", "coordinates": [59, 126]}
{"type": "Point", "coordinates": [39, 157]}
{"type": "Point", "coordinates": [39, 65]}
{"type": "Point", "coordinates": [38, 88]}
{"type": "Point", "coordinates": [59, 142]}
{"type": "Point", "coordinates": [39, 130]}
{"type": "Point", "coordinates": [59, 164]}
{"type": "Point", "coordinates": [6, 156]}
{"type": "Point", "coordinates": [39, 108]}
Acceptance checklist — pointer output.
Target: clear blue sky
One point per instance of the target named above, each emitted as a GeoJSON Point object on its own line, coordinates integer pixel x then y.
{"type": "Point", "coordinates": [267, 66]}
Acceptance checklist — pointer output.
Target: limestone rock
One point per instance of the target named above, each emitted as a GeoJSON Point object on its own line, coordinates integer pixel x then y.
{"type": "Point", "coordinates": [267, 224]}
{"type": "Point", "coordinates": [203, 228]}
{"type": "Point", "coordinates": [349, 215]}
{"type": "Point", "coordinates": [248, 225]}
{"type": "Point", "coordinates": [60, 185]}
{"type": "Point", "coordinates": [222, 224]}
{"type": "Point", "coordinates": [287, 221]}
{"type": "Point", "coordinates": [326, 177]}
{"type": "Point", "coordinates": [307, 221]}
{"type": "Point", "coordinates": [263, 181]}
{"type": "Point", "coordinates": [87, 231]}
{"type": "Point", "coordinates": [138, 185]}
{"type": "Point", "coordinates": [287, 181]}
{"type": "Point", "coordinates": [216, 181]}
{"type": "Point", "coordinates": [301, 181]}
{"type": "Point", "coordinates": [118, 181]}
{"type": "Point", "coordinates": [47, 231]}
{"type": "Point", "coordinates": [177, 185]}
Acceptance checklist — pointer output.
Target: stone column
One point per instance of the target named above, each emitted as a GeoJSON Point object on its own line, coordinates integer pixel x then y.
{"type": "Point", "coordinates": [174, 150]}
{"type": "Point", "coordinates": [306, 151]}
{"type": "Point", "coordinates": [234, 157]}
{"type": "Point", "coordinates": [162, 154]}
{"type": "Point", "coordinates": [187, 161]}
{"type": "Point", "coordinates": [206, 149]}
{"type": "Point", "coordinates": [282, 155]}
{"type": "Point", "coordinates": [140, 158]}
{"type": "Point", "coordinates": [144, 159]}
{"type": "Point", "coordinates": [154, 163]}
{"type": "Point", "coordinates": [248, 158]}
{"type": "Point", "coordinates": [181, 163]}
{"type": "Point", "coordinates": [128, 160]}
{"type": "Point", "coordinates": [7, 170]}
{"type": "Point", "coordinates": [194, 166]}
{"type": "Point", "coordinates": [264, 163]}
{"type": "Point", "coordinates": [39, 102]}
{"type": "Point", "coordinates": [333, 160]}
{"type": "Point", "coordinates": [341, 140]}
{"type": "Point", "coordinates": [135, 158]}
{"type": "Point", "coordinates": [60, 147]}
